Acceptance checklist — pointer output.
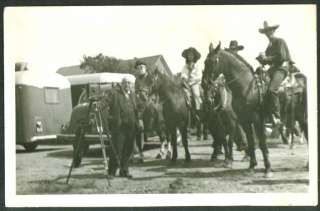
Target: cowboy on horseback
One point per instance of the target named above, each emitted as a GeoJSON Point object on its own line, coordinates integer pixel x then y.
{"type": "Point", "coordinates": [234, 48]}
{"type": "Point", "coordinates": [191, 77]}
{"type": "Point", "coordinates": [277, 56]}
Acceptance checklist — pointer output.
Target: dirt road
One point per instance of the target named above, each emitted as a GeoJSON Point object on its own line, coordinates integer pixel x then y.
{"type": "Point", "coordinates": [44, 172]}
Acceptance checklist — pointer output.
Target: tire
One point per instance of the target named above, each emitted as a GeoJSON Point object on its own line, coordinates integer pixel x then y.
{"type": "Point", "coordinates": [30, 147]}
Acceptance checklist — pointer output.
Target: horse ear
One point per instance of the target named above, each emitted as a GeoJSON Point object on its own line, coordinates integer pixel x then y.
{"type": "Point", "coordinates": [210, 48]}
{"type": "Point", "coordinates": [218, 47]}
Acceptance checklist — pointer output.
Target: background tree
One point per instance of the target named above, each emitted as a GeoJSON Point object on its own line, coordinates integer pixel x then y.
{"type": "Point", "coordinates": [101, 63]}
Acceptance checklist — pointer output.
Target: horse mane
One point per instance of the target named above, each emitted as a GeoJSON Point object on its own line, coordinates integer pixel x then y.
{"type": "Point", "coordinates": [240, 61]}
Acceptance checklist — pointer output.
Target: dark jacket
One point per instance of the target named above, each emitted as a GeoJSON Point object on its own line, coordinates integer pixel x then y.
{"type": "Point", "coordinates": [142, 93]}
{"type": "Point", "coordinates": [279, 52]}
{"type": "Point", "coordinates": [141, 87]}
{"type": "Point", "coordinates": [123, 110]}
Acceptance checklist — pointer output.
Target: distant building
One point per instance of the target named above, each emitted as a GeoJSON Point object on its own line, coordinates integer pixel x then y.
{"type": "Point", "coordinates": [152, 62]}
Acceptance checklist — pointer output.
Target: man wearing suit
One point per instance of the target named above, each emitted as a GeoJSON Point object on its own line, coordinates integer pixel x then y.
{"type": "Point", "coordinates": [123, 124]}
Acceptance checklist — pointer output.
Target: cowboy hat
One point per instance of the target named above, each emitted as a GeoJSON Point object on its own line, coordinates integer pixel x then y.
{"type": "Point", "coordinates": [234, 46]}
{"type": "Point", "coordinates": [193, 51]}
{"type": "Point", "coordinates": [139, 62]}
{"type": "Point", "coordinates": [267, 28]}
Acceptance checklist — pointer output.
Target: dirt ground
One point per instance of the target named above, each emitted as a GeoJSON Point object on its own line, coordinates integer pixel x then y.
{"type": "Point", "coordinates": [44, 172]}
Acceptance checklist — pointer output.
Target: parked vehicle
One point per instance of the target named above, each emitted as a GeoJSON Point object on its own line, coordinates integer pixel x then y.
{"type": "Point", "coordinates": [43, 106]}
{"type": "Point", "coordinates": [83, 87]}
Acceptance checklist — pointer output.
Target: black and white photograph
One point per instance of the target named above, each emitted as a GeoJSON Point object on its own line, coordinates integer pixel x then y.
{"type": "Point", "coordinates": [193, 105]}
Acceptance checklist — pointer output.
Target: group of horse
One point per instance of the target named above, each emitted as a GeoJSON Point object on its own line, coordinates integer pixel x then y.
{"type": "Point", "coordinates": [233, 111]}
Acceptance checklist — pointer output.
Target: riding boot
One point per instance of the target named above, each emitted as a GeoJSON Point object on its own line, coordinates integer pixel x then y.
{"type": "Point", "coordinates": [277, 78]}
{"type": "Point", "coordinates": [274, 107]}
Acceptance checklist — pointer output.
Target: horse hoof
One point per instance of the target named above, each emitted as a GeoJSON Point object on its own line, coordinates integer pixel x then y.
{"type": "Point", "coordinates": [268, 174]}
{"type": "Point", "coordinates": [228, 165]}
{"type": "Point", "coordinates": [187, 160]}
{"type": "Point", "coordinates": [251, 171]}
{"type": "Point", "coordinates": [140, 160]}
{"type": "Point", "coordinates": [168, 156]}
{"type": "Point", "coordinates": [245, 159]}
{"type": "Point", "coordinates": [214, 159]}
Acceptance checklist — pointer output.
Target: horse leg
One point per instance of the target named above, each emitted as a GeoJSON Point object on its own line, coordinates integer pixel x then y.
{"type": "Point", "coordinates": [304, 127]}
{"type": "Point", "coordinates": [139, 144]}
{"type": "Point", "coordinates": [214, 145]}
{"type": "Point", "coordinates": [251, 145]}
{"type": "Point", "coordinates": [283, 134]}
{"type": "Point", "coordinates": [162, 146]}
{"type": "Point", "coordinates": [259, 129]}
{"type": "Point", "coordinates": [230, 144]}
{"type": "Point", "coordinates": [198, 123]}
{"type": "Point", "coordinates": [205, 130]}
{"type": "Point", "coordinates": [298, 132]}
{"type": "Point", "coordinates": [184, 136]}
{"type": "Point", "coordinates": [169, 144]}
{"type": "Point", "coordinates": [173, 134]}
{"type": "Point", "coordinates": [227, 161]}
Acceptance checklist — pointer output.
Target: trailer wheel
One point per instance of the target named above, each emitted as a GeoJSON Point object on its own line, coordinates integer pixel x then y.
{"type": "Point", "coordinates": [78, 147]}
{"type": "Point", "coordinates": [29, 147]}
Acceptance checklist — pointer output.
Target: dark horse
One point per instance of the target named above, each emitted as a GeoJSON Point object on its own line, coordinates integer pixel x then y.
{"type": "Point", "coordinates": [175, 110]}
{"type": "Point", "coordinates": [246, 98]}
{"type": "Point", "coordinates": [293, 101]}
{"type": "Point", "coordinates": [153, 121]}
{"type": "Point", "coordinates": [222, 120]}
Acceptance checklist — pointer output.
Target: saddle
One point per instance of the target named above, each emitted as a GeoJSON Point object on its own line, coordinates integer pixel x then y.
{"type": "Point", "coordinates": [262, 85]}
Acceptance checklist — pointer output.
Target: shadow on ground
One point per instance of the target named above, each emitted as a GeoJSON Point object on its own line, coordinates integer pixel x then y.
{"type": "Point", "coordinates": [277, 182]}
{"type": "Point", "coordinates": [22, 151]}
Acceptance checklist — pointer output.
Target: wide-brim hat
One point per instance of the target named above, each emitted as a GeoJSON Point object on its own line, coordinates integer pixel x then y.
{"type": "Point", "coordinates": [139, 62]}
{"type": "Point", "coordinates": [192, 50]}
{"type": "Point", "coordinates": [267, 28]}
{"type": "Point", "coordinates": [234, 46]}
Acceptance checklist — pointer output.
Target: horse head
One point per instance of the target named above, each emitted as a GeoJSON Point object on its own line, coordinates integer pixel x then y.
{"type": "Point", "coordinates": [212, 68]}
{"type": "Point", "coordinates": [153, 81]}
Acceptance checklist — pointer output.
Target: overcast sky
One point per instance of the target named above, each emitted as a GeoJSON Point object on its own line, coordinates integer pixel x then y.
{"type": "Point", "coordinates": [52, 37]}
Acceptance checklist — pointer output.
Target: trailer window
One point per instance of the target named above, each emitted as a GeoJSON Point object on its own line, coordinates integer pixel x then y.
{"type": "Point", "coordinates": [51, 95]}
